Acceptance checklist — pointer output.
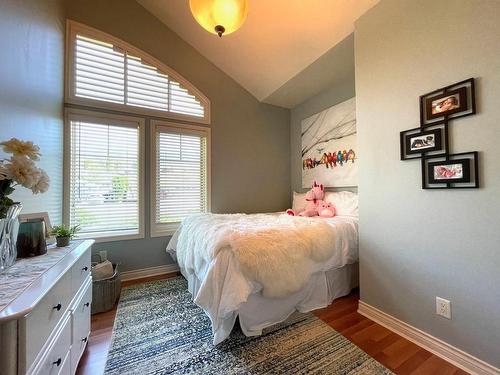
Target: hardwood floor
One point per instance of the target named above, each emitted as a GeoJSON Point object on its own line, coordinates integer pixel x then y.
{"type": "Point", "coordinates": [393, 351]}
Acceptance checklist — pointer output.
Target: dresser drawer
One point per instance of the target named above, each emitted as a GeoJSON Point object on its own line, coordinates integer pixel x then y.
{"type": "Point", "coordinates": [80, 271]}
{"type": "Point", "coordinates": [66, 366]}
{"type": "Point", "coordinates": [37, 326]}
{"type": "Point", "coordinates": [57, 359]}
{"type": "Point", "coordinates": [81, 325]}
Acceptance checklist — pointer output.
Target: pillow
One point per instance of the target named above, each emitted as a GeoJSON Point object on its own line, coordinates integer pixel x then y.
{"type": "Point", "coordinates": [345, 202]}
{"type": "Point", "coordinates": [299, 202]}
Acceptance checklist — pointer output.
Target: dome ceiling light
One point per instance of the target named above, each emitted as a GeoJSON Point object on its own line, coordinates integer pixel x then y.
{"type": "Point", "coordinates": [219, 16]}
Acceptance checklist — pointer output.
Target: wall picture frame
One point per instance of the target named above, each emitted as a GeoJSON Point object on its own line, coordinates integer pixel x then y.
{"type": "Point", "coordinates": [430, 142]}
{"type": "Point", "coordinates": [446, 103]}
{"type": "Point", "coordinates": [329, 146]}
{"type": "Point", "coordinates": [417, 142]}
{"type": "Point", "coordinates": [454, 171]}
{"type": "Point", "coordinates": [451, 171]}
{"type": "Point", "coordinates": [449, 102]}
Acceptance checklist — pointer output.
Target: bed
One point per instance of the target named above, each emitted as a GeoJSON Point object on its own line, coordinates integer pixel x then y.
{"type": "Point", "coordinates": [226, 261]}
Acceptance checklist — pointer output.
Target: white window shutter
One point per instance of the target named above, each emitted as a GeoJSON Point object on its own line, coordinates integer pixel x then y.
{"type": "Point", "coordinates": [100, 71]}
{"type": "Point", "coordinates": [104, 197]}
{"type": "Point", "coordinates": [181, 175]}
{"type": "Point", "coordinates": [181, 101]}
{"type": "Point", "coordinates": [110, 73]}
{"type": "Point", "coordinates": [146, 87]}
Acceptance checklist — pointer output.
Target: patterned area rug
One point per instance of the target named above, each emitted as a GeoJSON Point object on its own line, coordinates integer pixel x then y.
{"type": "Point", "coordinates": [159, 330]}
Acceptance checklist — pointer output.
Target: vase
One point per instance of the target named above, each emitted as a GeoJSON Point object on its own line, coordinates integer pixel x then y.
{"type": "Point", "coordinates": [8, 236]}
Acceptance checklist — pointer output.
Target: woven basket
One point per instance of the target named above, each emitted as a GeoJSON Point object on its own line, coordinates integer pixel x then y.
{"type": "Point", "coordinates": [105, 292]}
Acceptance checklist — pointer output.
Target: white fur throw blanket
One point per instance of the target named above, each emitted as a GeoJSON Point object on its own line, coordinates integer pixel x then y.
{"type": "Point", "coordinates": [277, 251]}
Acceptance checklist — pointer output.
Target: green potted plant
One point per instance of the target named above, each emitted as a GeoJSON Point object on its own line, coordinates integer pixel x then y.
{"type": "Point", "coordinates": [64, 234]}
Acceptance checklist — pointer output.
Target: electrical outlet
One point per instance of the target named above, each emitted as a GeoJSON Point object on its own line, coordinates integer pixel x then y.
{"type": "Point", "coordinates": [443, 307]}
{"type": "Point", "coordinates": [104, 255]}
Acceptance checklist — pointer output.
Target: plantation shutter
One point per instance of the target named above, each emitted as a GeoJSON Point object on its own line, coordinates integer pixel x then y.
{"type": "Point", "coordinates": [100, 71]}
{"type": "Point", "coordinates": [181, 174]}
{"type": "Point", "coordinates": [108, 73]}
{"type": "Point", "coordinates": [104, 177]}
{"type": "Point", "coordinates": [146, 87]}
{"type": "Point", "coordinates": [183, 102]}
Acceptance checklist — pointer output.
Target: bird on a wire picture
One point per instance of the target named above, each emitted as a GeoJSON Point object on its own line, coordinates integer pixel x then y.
{"type": "Point", "coordinates": [329, 146]}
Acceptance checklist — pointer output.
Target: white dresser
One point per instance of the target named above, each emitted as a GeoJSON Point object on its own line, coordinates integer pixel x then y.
{"type": "Point", "coordinates": [45, 312]}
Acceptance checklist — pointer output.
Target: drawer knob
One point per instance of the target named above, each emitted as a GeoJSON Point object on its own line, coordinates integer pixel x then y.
{"type": "Point", "coordinates": [85, 268]}
{"type": "Point", "coordinates": [87, 304]}
{"type": "Point", "coordinates": [57, 307]}
{"type": "Point", "coordinates": [58, 362]}
{"type": "Point", "coordinates": [84, 339]}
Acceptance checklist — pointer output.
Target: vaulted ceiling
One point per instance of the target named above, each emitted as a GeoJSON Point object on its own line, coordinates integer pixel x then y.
{"type": "Point", "coordinates": [275, 53]}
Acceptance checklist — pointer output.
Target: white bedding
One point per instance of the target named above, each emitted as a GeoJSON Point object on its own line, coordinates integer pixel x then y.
{"type": "Point", "coordinates": [221, 288]}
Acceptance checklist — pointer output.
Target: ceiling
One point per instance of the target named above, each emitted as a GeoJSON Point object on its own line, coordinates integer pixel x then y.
{"type": "Point", "coordinates": [272, 55]}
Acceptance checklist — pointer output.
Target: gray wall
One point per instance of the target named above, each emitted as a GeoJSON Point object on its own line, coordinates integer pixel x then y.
{"type": "Point", "coordinates": [329, 70]}
{"type": "Point", "coordinates": [342, 91]}
{"type": "Point", "coordinates": [431, 243]}
{"type": "Point", "coordinates": [31, 90]}
{"type": "Point", "coordinates": [250, 140]}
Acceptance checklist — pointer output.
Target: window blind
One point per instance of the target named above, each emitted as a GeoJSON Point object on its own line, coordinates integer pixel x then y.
{"type": "Point", "coordinates": [104, 178]}
{"type": "Point", "coordinates": [109, 73]}
{"type": "Point", "coordinates": [181, 175]}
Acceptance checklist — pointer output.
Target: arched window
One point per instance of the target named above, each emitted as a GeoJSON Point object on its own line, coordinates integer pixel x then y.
{"type": "Point", "coordinates": [106, 72]}
{"type": "Point", "coordinates": [105, 174]}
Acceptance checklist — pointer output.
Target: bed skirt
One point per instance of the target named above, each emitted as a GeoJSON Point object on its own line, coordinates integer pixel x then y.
{"type": "Point", "coordinates": [259, 312]}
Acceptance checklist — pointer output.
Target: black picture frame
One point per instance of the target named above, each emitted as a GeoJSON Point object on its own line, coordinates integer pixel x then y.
{"type": "Point", "coordinates": [440, 132]}
{"type": "Point", "coordinates": [470, 171]}
{"type": "Point", "coordinates": [467, 104]}
{"type": "Point", "coordinates": [439, 155]}
{"type": "Point", "coordinates": [461, 93]}
{"type": "Point", "coordinates": [411, 141]}
{"type": "Point", "coordinates": [465, 168]}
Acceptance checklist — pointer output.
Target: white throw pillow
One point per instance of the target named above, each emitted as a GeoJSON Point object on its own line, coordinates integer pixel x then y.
{"type": "Point", "coordinates": [345, 202]}
{"type": "Point", "coordinates": [299, 202]}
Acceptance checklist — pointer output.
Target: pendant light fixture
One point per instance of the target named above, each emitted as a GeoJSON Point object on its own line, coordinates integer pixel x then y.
{"type": "Point", "coordinates": [219, 16]}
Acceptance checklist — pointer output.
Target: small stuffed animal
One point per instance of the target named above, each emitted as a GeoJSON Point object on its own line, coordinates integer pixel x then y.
{"type": "Point", "coordinates": [326, 209]}
{"type": "Point", "coordinates": [316, 206]}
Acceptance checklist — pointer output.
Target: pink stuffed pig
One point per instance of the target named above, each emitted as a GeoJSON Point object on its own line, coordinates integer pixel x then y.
{"type": "Point", "coordinates": [326, 209]}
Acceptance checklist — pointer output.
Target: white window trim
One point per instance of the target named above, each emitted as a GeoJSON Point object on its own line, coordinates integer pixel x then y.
{"type": "Point", "coordinates": [72, 114]}
{"type": "Point", "coordinates": [73, 28]}
{"type": "Point", "coordinates": [162, 230]}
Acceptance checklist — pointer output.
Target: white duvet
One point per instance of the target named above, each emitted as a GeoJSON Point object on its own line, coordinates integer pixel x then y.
{"type": "Point", "coordinates": [227, 258]}
{"type": "Point", "coordinates": [276, 251]}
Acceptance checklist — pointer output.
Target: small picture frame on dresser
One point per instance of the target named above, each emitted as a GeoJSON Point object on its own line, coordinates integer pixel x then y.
{"type": "Point", "coordinates": [36, 216]}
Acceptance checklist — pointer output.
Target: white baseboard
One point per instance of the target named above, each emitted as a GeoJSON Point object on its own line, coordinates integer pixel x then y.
{"type": "Point", "coordinates": [148, 272]}
{"type": "Point", "coordinates": [440, 348]}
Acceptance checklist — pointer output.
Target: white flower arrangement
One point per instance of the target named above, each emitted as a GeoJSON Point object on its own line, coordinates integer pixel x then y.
{"type": "Point", "coordinates": [20, 170]}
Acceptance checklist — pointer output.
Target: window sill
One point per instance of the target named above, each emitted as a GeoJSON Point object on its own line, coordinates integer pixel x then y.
{"type": "Point", "coordinates": [101, 237]}
{"type": "Point", "coordinates": [164, 230]}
